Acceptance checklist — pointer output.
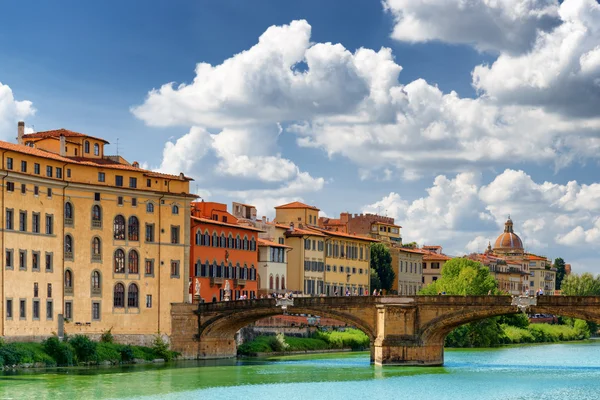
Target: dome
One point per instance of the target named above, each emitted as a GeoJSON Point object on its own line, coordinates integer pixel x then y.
{"type": "Point", "coordinates": [508, 240]}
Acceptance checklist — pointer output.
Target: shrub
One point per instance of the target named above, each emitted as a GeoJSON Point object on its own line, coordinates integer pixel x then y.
{"type": "Point", "coordinates": [161, 348]}
{"type": "Point", "coordinates": [126, 353]}
{"type": "Point", "coordinates": [108, 352]}
{"type": "Point", "coordinates": [85, 349]}
{"type": "Point", "coordinates": [61, 352]}
{"type": "Point", "coordinates": [107, 337]}
{"type": "Point", "coordinates": [278, 342]}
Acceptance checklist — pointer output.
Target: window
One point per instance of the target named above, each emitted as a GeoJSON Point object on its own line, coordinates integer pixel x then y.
{"type": "Point", "coordinates": [96, 216]}
{"type": "Point", "coordinates": [23, 259]}
{"type": "Point", "coordinates": [22, 309]}
{"type": "Point", "coordinates": [49, 309]}
{"type": "Point", "coordinates": [10, 186]}
{"type": "Point", "coordinates": [119, 296]}
{"type": "Point", "coordinates": [49, 171]}
{"type": "Point", "coordinates": [174, 269]}
{"type": "Point", "coordinates": [50, 192]}
{"type": "Point", "coordinates": [9, 219]}
{"type": "Point", "coordinates": [36, 290]}
{"type": "Point", "coordinates": [150, 207]}
{"type": "Point", "coordinates": [23, 166]}
{"type": "Point", "coordinates": [119, 261]}
{"type": "Point", "coordinates": [96, 282]}
{"type": "Point", "coordinates": [118, 180]}
{"type": "Point", "coordinates": [59, 173]}
{"type": "Point", "coordinates": [49, 266]}
{"type": "Point", "coordinates": [101, 177]}
{"type": "Point", "coordinates": [9, 309]}
{"type": "Point", "coordinates": [150, 233]}
{"type": "Point", "coordinates": [23, 221]}
{"type": "Point", "coordinates": [134, 202]}
{"type": "Point", "coordinates": [9, 163]}
{"type": "Point", "coordinates": [133, 183]}
{"type": "Point", "coordinates": [86, 146]}
{"type": "Point", "coordinates": [68, 172]}
{"type": "Point", "coordinates": [23, 188]}
{"type": "Point", "coordinates": [175, 234]}
{"type": "Point", "coordinates": [36, 168]}
{"type": "Point", "coordinates": [49, 224]}
{"type": "Point", "coordinates": [96, 249]}
{"type": "Point", "coordinates": [96, 196]}
{"type": "Point", "coordinates": [175, 210]}
{"type": "Point", "coordinates": [36, 309]}
{"type": "Point", "coordinates": [35, 223]}
{"type": "Point", "coordinates": [68, 279]}
{"type": "Point", "coordinates": [148, 301]}
{"type": "Point", "coordinates": [119, 227]}
{"type": "Point", "coordinates": [133, 262]}
{"type": "Point", "coordinates": [49, 290]}
{"type": "Point", "coordinates": [148, 182]}
{"type": "Point", "coordinates": [133, 296]}
{"type": "Point", "coordinates": [36, 190]}
{"type": "Point", "coordinates": [133, 229]}
{"type": "Point", "coordinates": [149, 267]}
{"type": "Point", "coordinates": [96, 149]}
{"type": "Point", "coordinates": [68, 213]}
{"type": "Point", "coordinates": [35, 260]}
{"type": "Point", "coordinates": [120, 200]}
{"type": "Point", "coordinates": [68, 247]}
{"type": "Point", "coordinates": [68, 310]}
{"type": "Point", "coordinates": [95, 311]}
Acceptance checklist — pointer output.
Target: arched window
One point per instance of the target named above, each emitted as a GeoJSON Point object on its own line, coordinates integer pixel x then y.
{"type": "Point", "coordinates": [96, 280]}
{"type": "Point", "coordinates": [119, 227]}
{"type": "Point", "coordinates": [252, 273]}
{"type": "Point", "coordinates": [68, 279]}
{"type": "Point", "coordinates": [150, 207]}
{"type": "Point", "coordinates": [132, 296]}
{"type": "Point", "coordinates": [119, 261]}
{"type": "Point", "coordinates": [69, 246]}
{"type": "Point", "coordinates": [253, 244]}
{"type": "Point", "coordinates": [271, 282]}
{"type": "Point", "coordinates": [245, 243]}
{"type": "Point", "coordinates": [238, 242]}
{"type": "Point", "coordinates": [175, 210]}
{"type": "Point", "coordinates": [238, 271]}
{"type": "Point", "coordinates": [277, 282]}
{"type": "Point", "coordinates": [206, 238]}
{"type": "Point", "coordinates": [119, 296]}
{"type": "Point", "coordinates": [215, 243]}
{"type": "Point", "coordinates": [68, 212]}
{"type": "Point", "coordinates": [230, 241]}
{"type": "Point", "coordinates": [133, 229]}
{"type": "Point", "coordinates": [230, 271]}
{"type": "Point", "coordinates": [96, 248]}
{"type": "Point", "coordinates": [86, 146]}
{"type": "Point", "coordinates": [223, 240]}
{"type": "Point", "coordinates": [245, 272]}
{"type": "Point", "coordinates": [198, 237]}
{"type": "Point", "coordinates": [134, 262]}
{"type": "Point", "coordinates": [283, 283]}
{"type": "Point", "coordinates": [96, 149]}
{"type": "Point", "coordinates": [96, 216]}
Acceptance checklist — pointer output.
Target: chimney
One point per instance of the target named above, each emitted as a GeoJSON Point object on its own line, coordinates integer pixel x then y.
{"type": "Point", "coordinates": [20, 131]}
{"type": "Point", "coordinates": [63, 145]}
{"type": "Point", "coordinates": [264, 219]}
{"type": "Point", "coordinates": [136, 164]}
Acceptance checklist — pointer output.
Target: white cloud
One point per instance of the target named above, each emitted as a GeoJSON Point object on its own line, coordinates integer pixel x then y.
{"type": "Point", "coordinates": [499, 25]}
{"type": "Point", "coordinates": [12, 111]}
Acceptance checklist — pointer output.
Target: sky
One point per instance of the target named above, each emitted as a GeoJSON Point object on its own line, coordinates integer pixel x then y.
{"type": "Point", "coordinates": [444, 114]}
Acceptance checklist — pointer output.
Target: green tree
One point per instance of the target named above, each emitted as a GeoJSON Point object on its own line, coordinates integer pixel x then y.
{"type": "Point", "coordinates": [411, 245]}
{"type": "Point", "coordinates": [461, 276]}
{"type": "Point", "coordinates": [381, 263]}
{"type": "Point", "coordinates": [375, 282]}
{"type": "Point", "coordinates": [581, 285]}
{"type": "Point", "coordinates": [559, 264]}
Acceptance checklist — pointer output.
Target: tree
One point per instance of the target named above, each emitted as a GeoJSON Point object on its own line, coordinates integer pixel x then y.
{"type": "Point", "coordinates": [375, 282]}
{"type": "Point", "coordinates": [381, 263]}
{"type": "Point", "coordinates": [411, 245]}
{"type": "Point", "coordinates": [461, 276]}
{"type": "Point", "coordinates": [559, 264]}
{"type": "Point", "coordinates": [581, 285]}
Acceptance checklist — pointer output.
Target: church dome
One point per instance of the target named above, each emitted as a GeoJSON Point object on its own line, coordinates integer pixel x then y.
{"type": "Point", "coordinates": [508, 240]}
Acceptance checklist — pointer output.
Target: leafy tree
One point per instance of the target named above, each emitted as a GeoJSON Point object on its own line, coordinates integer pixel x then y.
{"type": "Point", "coordinates": [411, 245]}
{"type": "Point", "coordinates": [381, 263]}
{"type": "Point", "coordinates": [581, 285]}
{"type": "Point", "coordinates": [375, 282]}
{"type": "Point", "coordinates": [461, 276]}
{"type": "Point", "coordinates": [559, 264]}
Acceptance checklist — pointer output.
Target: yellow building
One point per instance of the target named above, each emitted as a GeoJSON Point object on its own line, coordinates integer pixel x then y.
{"type": "Point", "coordinates": [89, 240]}
{"type": "Point", "coordinates": [386, 232]}
{"type": "Point", "coordinates": [433, 262]}
{"type": "Point", "coordinates": [408, 266]}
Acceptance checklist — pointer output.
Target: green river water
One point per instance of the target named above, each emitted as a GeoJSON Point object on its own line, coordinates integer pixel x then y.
{"type": "Point", "coordinates": [553, 371]}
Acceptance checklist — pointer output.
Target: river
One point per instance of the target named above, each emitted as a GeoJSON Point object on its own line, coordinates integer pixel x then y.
{"type": "Point", "coordinates": [553, 371]}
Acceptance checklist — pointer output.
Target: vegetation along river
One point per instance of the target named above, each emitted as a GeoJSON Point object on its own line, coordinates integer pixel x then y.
{"type": "Point", "coordinates": [548, 371]}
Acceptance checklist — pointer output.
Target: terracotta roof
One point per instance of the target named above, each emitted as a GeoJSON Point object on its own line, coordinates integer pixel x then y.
{"type": "Point", "coordinates": [435, 257]}
{"type": "Point", "coordinates": [99, 163]}
{"type": "Point", "coordinates": [333, 221]}
{"type": "Point", "coordinates": [534, 257]}
{"type": "Point", "coordinates": [297, 204]}
{"type": "Point", "coordinates": [508, 240]}
{"type": "Point", "coordinates": [213, 222]}
{"type": "Point", "coordinates": [302, 231]}
{"type": "Point", "coordinates": [57, 132]}
{"type": "Point", "coordinates": [409, 250]}
{"type": "Point", "coordinates": [264, 242]}
{"type": "Point", "coordinates": [432, 247]}
{"type": "Point", "coordinates": [282, 226]}
{"type": "Point", "coordinates": [346, 235]}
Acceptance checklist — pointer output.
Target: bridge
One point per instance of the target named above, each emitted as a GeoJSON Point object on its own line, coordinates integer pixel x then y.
{"type": "Point", "coordinates": [402, 330]}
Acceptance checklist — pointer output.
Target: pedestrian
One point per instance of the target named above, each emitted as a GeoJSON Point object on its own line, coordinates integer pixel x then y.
{"type": "Point", "coordinates": [374, 292]}
{"type": "Point", "coordinates": [381, 292]}
{"type": "Point", "coordinates": [490, 292]}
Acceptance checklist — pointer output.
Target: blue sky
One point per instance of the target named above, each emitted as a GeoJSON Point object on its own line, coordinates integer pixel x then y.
{"type": "Point", "coordinates": [304, 114]}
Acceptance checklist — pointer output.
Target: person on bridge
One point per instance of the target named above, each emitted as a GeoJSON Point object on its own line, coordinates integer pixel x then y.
{"type": "Point", "coordinates": [374, 292]}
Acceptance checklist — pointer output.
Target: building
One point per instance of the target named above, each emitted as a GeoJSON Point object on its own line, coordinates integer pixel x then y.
{"type": "Point", "coordinates": [408, 267]}
{"type": "Point", "coordinates": [433, 262]}
{"type": "Point", "coordinates": [541, 274]}
{"type": "Point", "coordinates": [222, 251]}
{"type": "Point", "coordinates": [272, 264]}
{"type": "Point", "coordinates": [375, 226]}
{"type": "Point", "coordinates": [74, 256]}
{"type": "Point", "coordinates": [508, 273]}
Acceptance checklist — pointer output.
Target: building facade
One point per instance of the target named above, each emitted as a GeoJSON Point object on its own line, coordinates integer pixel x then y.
{"type": "Point", "coordinates": [90, 242]}
{"type": "Point", "coordinates": [433, 263]}
{"type": "Point", "coordinates": [374, 226]}
{"type": "Point", "coordinates": [408, 267]}
{"type": "Point", "coordinates": [272, 266]}
{"type": "Point", "coordinates": [222, 252]}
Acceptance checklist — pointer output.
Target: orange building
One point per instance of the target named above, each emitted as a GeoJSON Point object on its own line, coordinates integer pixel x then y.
{"type": "Point", "coordinates": [221, 251]}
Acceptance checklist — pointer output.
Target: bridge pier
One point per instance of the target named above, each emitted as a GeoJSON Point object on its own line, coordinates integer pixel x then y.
{"type": "Point", "coordinates": [216, 347]}
{"type": "Point", "coordinates": [397, 352]}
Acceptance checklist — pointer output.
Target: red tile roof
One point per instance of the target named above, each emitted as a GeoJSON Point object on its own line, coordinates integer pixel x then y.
{"type": "Point", "coordinates": [346, 235]}
{"type": "Point", "coordinates": [265, 242]}
{"type": "Point", "coordinates": [297, 204]}
{"type": "Point", "coordinates": [302, 231]}
{"type": "Point", "coordinates": [435, 257]}
{"type": "Point", "coordinates": [57, 133]}
{"type": "Point", "coordinates": [213, 222]}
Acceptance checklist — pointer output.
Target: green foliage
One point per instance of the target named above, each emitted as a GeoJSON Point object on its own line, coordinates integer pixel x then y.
{"type": "Point", "coordinates": [559, 264]}
{"type": "Point", "coordinates": [353, 338]}
{"type": "Point", "coordinates": [107, 336]}
{"type": "Point", "coordinates": [108, 352]}
{"type": "Point", "coordinates": [161, 348]}
{"type": "Point", "coordinates": [461, 276]}
{"type": "Point", "coordinates": [411, 245]}
{"type": "Point", "coordinates": [484, 333]}
{"type": "Point", "coordinates": [85, 349]}
{"type": "Point", "coordinates": [261, 344]}
{"type": "Point", "coordinates": [278, 342]}
{"type": "Point", "coordinates": [302, 344]}
{"type": "Point", "coordinates": [518, 320]}
{"type": "Point", "coordinates": [381, 263]}
{"type": "Point", "coordinates": [581, 285]}
{"type": "Point", "coordinates": [375, 283]}
{"type": "Point", "coordinates": [126, 353]}
{"type": "Point", "coordinates": [61, 352]}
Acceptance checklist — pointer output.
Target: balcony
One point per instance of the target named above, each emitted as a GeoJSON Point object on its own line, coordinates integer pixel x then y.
{"type": "Point", "coordinates": [239, 282]}
{"type": "Point", "coordinates": [96, 224]}
{"type": "Point", "coordinates": [96, 291]}
{"type": "Point", "coordinates": [215, 281]}
{"type": "Point", "coordinates": [68, 291]}
{"type": "Point", "coordinates": [69, 255]}
{"type": "Point", "coordinates": [69, 222]}
{"type": "Point", "coordinates": [549, 278]}
{"type": "Point", "coordinates": [96, 257]}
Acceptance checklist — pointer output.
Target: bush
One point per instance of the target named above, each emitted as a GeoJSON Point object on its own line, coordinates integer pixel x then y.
{"type": "Point", "coordinates": [85, 349]}
{"type": "Point", "coordinates": [107, 337]}
{"type": "Point", "coordinates": [108, 352]}
{"type": "Point", "coordinates": [278, 343]}
{"type": "Point", "coordinates": [126, 353]}
{"type": "Point", "coordinates": [61, 352]}
{"type": "Point", "coordinates": [161, 348]}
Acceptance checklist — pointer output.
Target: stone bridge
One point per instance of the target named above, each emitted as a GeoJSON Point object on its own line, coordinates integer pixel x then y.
{"type": "Point", "coordinates": [402, 330]}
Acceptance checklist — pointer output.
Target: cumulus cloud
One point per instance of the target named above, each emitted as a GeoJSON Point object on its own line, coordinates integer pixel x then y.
{"type": "Point", "coordinates": [462, 213]}
{"type": "Point", "coordinates": [12, 111]}
{"type": "Point", "coordinates": [497, 25]}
